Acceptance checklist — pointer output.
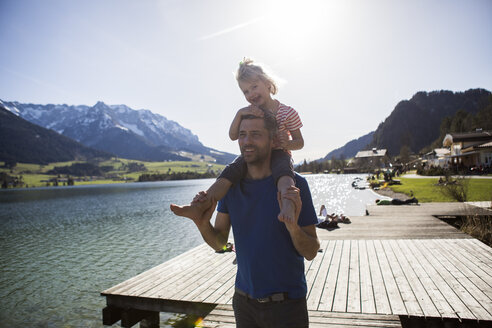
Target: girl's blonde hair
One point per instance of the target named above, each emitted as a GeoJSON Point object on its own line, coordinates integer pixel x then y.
{"type": "Point", "coordinates": [248, 71]}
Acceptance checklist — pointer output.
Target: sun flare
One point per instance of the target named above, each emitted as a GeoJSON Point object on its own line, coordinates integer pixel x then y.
{"type": "Point", "coordinates": [302, 26]}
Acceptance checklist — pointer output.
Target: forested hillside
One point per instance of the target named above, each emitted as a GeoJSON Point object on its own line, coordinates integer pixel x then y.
{"type": "Point", "coordinates": [21, 141]}
{"type": "Point", "coordinates": [417, 123]}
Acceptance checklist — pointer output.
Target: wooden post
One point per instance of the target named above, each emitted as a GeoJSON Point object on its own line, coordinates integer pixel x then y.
{"type": "Point", "coordinates": [130, 317]}
{"type": "Point", "coordinates": [151, 321]}
{"type": "Point", "coordinates": [111, 315]}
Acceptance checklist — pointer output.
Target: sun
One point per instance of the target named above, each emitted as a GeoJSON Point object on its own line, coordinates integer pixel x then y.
{"type": "Point", "coordinates": [302, 26]}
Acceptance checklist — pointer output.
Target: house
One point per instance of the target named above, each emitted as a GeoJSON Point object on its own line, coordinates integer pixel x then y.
{"type": "Point", "coordinates": [437, 158]}
{"type": "Point", "coordinates": [368, 160]}
{"type": "Point", "coordinates": [469, 150]}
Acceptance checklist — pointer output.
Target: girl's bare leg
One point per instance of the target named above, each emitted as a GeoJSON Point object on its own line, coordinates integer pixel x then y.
{"type": "Point", "coordinates": [196, 208]}
{"type": "Point", "coordinates": [288, 208]}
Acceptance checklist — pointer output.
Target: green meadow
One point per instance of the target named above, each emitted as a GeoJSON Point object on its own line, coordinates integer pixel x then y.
{"type": "Point", "coordinates": [428, 189]}
{"type": "Point", "coordinates": [116, 170]}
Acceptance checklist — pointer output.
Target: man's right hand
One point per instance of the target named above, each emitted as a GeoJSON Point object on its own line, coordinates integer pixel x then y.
{"type": "Point", "coordinates": [200, 210]}
{"type": "Point", "coordinates": [205, 217]}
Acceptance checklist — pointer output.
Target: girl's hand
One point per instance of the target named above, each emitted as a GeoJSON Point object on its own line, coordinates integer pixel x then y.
{"type": "Point", "coordinates": [252, 110]}
{"type": "Point", "coordinates": [200, 197]}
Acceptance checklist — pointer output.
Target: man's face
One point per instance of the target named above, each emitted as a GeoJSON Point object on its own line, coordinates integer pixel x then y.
{"type": "Point", "coordinates": [254, 141]}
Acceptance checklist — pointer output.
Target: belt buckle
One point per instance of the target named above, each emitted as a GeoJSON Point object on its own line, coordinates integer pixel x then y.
{"type": "Point", "coordinates": [278, 297]}
{"type": "Point", "coordinates": [263, 300]}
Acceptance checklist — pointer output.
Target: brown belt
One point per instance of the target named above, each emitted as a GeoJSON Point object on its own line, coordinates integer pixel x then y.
{"type": "Point", "coordinates": [278, 297]}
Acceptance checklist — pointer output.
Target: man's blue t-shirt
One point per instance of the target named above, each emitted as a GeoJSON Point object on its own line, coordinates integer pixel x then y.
{"type": "Point", "coordinates": [267, 260]}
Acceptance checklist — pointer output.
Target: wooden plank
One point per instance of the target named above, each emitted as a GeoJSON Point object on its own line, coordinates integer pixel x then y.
{"type": "Point", "coordinates": [341, 288]}
{"type": "Point", "coordinates": [429, 278]}
{"type": "Point", "coordinates": [167, 271]}
{"type": "Point", "coordinates": [407, 295]}
{"type": "Point", "coordinates": [226, 298]}
{"type": "Point", "coordinates": [223, 316]}
{"type": "Point", "coordinates": [477, 255]}
{"type": "Point", "coordinates": [380, 293]}
{"type": "Point", "coordinates": [354, 299]}
{"type": "Point", "coordinates": [477, 266]}
{"type": "Point", "coordinates": [409, 268]}
{"type": "Point", "coordinates": [475, 273]}
{"type": "Point", "coordinates": [467, 291]}
{"type": "Point", "coordinates": [123, 287]}
{"type": "Point", "coordinates": [393, 293]}
{"type": "Point", "coordinates": [424, 251]}
{"type": "Point", "coordinates": [434, 257]}
{"type": "Point", "coordinates": [166, 286]}
{"type": "Point", "coordinates": [170, 275]}
{"type": "Point", "coordinates": [223, 289]}
{"type": "Point", "coordinates": [326, 301]}
{"type": "Point", "coordinates": [480, 245]}
{"type": "Point", "coordinates": [221, 286]}
{"type": "Point", "coordinates": [319, 277]}
{"type": "Point", "coordinates": [368, 304]}
{"type": "Point", "coordinates": [194, 278]}
{"type": "Point", "coordinates": [339, 319]}
{"type": "Point", "coordinates": [311, 268]}
{"type": "Point", "coordinates": [202, 280]}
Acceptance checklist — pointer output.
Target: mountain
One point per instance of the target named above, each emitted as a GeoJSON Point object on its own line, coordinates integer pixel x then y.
{"type": "Point", "coordinates": [22, 141]}
{"type": "Point", "coordinates": [121, 130]}
{"type": "Point", "coordinates": [416, 122]}
{"type": "Point", "coordinates": [351, 148]}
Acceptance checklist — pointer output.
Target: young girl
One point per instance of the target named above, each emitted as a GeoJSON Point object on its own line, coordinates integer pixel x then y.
{"type": "Point", "coordinates": [258, 89]}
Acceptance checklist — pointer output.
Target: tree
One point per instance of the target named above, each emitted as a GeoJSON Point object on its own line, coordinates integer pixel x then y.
{"type": "Point", "coordinates": [461, 122]}
{"type": "Point", "coordinates": [404, 154]}
{"type": "Point", "coordinates": [483, 119]}
{"type": "Point", "coordinates": [343, 161]}
{"type": "Point", "coordinates": [10, 164]}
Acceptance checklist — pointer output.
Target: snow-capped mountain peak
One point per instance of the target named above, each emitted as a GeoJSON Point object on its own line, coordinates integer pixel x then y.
{"type": "Point", "coordinates": [118, 129]}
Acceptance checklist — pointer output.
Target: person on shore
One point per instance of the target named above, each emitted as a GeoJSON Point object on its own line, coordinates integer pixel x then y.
{"type": "Point", "coordinates": [322, 212]}
{"type": "Point", "coordinates": [258, 88]}
{"type": "Point", "coordinates": [325, 220]}
{"type": "Point", "coordinates": [270, 288]}
{"type": "Point", "coordinates": [330, 221]}
{"type": "Point", "coordinates": [396, 201]}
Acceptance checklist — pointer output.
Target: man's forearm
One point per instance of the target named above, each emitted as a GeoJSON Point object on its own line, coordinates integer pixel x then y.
{"type": "Point", "coordinates": [304, 243]}
{"type": "Point", "coordinates": [211, 236]}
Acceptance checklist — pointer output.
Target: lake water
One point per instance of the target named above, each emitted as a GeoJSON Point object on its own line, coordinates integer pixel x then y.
{"type": "Point", "coordinates": [60, 247]}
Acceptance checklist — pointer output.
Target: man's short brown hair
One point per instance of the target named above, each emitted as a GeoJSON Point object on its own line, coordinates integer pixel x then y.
{"type": "Point", "coordinates": [270, 123]}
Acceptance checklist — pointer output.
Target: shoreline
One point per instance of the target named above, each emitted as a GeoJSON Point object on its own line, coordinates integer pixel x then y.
{"type": "Point", "coordinates": [387, 192]}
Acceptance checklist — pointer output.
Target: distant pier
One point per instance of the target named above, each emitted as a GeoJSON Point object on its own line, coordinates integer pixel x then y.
{"type": "Point", "coordinates": [399, 261]}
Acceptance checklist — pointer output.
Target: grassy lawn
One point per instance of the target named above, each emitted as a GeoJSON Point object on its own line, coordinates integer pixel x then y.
{"type": "Point", "coordinates": [35, 175]}
{"type": "Point", "coordinates": [427, 190]}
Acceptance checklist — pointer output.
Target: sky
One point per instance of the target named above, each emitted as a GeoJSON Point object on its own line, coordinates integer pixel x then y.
{"type": "Point", "coordinates": [343, 65]}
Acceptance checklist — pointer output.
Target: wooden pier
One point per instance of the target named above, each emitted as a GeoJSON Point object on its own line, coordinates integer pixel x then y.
{"type": "Point", "coordinates": [398, 261]}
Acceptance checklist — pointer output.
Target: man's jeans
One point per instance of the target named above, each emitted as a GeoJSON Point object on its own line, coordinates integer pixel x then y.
{"type": "Point", "coordinates": [250, 313]}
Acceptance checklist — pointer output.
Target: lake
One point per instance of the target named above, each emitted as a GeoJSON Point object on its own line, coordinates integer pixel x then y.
{"type": "Point", "coordinates": [61, 246]}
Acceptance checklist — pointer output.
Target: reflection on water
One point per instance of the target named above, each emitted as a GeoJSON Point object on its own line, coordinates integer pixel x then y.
{"type": "Point", "coordinates": [60, 247]}
{"type": "Point", "coordinates": [337, 194]}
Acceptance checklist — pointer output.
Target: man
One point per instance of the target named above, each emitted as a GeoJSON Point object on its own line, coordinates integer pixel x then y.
{"type": "Point", "coordinates": [396, 201]}
{"type": "Point", "coordinates": [270, 282]}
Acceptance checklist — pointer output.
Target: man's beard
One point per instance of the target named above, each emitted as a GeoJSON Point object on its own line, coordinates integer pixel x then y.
{"type": "Point", "coordinates": [258, 156]}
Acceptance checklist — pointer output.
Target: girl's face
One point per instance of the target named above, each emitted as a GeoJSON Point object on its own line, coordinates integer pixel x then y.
{"type": "Point", "coordinates": [256, 92]}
